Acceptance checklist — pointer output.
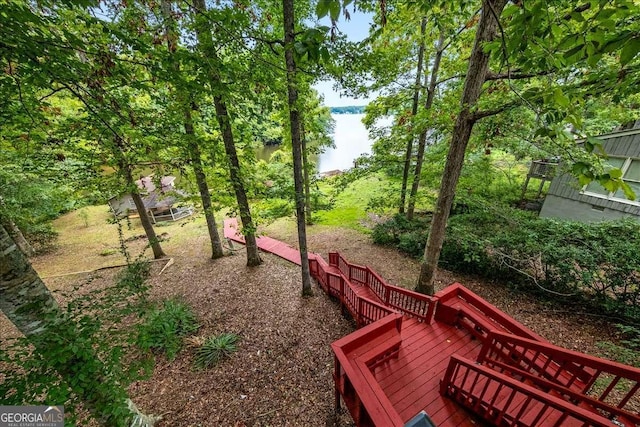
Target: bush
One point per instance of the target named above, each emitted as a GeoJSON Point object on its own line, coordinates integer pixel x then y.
{"type": "Point", "coordinates": [594, 263]}
{"type": "Point", "coordinates": [214, 349]}
{"type": "Point", "coordinates": [165, 327]}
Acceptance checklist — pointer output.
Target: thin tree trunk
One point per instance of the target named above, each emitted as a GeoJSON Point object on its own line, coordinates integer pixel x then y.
{"type": "Point", "coordinates": [154, 242]}
{"type": "Point", "coordinates": [414, 110]}
{"type": "Point", "coordinates": [422, 141]}
{"type": "Point", "coordinates": [296, 140]}
{"type": "Point", "coordinates": [475, 77]}
{"type": "Point", "coordinates": [201, 181]}
{"type": "Point", "coordinates": [248, 228]}
{"type": "Point", "coordinates": [192, 144]}
{"type": "Point", "coordinates": [18, 237]}
{"type": "Point", "coordinates": [29, 305]}
{"type": "Point", "coordinates": [305, 168]}
{"type": "Point", "coordinates": [205, 43]}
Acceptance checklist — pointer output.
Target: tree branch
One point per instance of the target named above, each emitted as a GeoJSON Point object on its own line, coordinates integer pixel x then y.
{"type": "Point", "coordinates": [455, 76]}
{"type": "Point", "coordinates": [515, 75]}
{"type": "Point", "coordinates": [481, 114]}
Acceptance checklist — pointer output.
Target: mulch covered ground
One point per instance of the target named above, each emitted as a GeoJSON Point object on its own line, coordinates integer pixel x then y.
{"type": "Point", "coordinates": [282, 372]}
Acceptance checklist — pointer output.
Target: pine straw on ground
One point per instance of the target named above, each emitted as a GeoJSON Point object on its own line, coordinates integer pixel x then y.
{"type": "Point", "coordinates": [282, 372]}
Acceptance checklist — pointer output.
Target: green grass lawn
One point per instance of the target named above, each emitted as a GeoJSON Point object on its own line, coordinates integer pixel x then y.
{"type": "Point", "coordinates": [350, 205]}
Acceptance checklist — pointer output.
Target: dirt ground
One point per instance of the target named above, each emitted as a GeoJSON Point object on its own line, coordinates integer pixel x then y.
{"type": "Point", "coordinates": [282, 372]}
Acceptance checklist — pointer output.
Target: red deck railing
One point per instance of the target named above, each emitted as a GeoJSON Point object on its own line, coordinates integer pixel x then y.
{"type": "Point", "coordinates": [458, 305]}
{"type": "Point", "coordinates": [402, 300]}
{"type": "Point", "coordinates": [503, 400]}
{"type": "Point", "coordinates": [354, 381]}
{"type": "Point", "coordinates": [577, 377]}
{"type": "Point", "coordinates": [363, 310]}
{"type": "Point", "coordinates": [522, 379]}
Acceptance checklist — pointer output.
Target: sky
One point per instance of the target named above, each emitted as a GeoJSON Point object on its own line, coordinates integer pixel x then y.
{"type": "Point", "coordinates": [356, 29]}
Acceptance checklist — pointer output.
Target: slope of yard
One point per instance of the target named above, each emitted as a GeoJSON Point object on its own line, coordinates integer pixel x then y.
{"type": "Point", "coordinates": [282, 372]}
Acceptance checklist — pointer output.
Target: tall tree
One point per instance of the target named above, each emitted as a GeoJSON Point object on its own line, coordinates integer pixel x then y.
{"type": "Point", "coordinates": [208, 49]}
{"type": "Point", "coordinates": [417, 90]}
{"type": "Point", "coordinates": [296, 140]}
{"type": "Point", "coordinates": [422, 139]}
{"type": "Point", "coordinates": [305, 167]}
{"type": "Point", "coordinates": [476, 74]}
{"type": "Point", "coordinates": [184, 100]}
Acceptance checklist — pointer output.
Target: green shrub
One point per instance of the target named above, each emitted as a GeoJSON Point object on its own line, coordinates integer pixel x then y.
{"type": "Point", "coordinates": [596, 264]}
{"type": "Point", "coordinates": [215, 349]}
{"type": "Point", "coordinates": [165, 327]}
{"type": "Point", "coordinates": [134, 276]}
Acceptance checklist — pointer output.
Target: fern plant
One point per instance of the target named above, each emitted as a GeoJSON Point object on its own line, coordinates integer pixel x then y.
{"type": "Point", "coordinates": [165, 327]}
{"type": "Point", "coordinates": [214, 349]}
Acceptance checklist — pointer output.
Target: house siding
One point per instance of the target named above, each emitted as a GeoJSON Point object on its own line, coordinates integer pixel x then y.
{"type": "Point", "coordinates": [565, 201]}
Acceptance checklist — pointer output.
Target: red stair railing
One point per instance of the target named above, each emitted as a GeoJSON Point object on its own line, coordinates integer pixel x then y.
{"type": "Point", "coordinates": [399, 299]}
{"type": "Point", "coordinates": [577, 377]}
{"type": "Point", "coordinates": [367, 403]}
{"type": "Point", "coordinates": [502, 400]}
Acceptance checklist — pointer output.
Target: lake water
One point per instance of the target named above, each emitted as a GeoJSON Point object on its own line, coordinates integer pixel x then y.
{"type": "Point", "coordinates": [351, 140]}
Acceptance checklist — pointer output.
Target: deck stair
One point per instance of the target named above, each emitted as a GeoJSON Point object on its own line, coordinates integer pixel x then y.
{"type": "Point", "coordinates": [456, 357]}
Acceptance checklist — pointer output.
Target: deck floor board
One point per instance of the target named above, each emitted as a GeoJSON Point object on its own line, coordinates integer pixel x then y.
{"type": "Point", "coordinates": [411, 380]}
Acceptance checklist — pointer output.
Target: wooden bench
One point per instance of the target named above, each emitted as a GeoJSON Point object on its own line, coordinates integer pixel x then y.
{"type": "Point", "coordinates": [356, 357]}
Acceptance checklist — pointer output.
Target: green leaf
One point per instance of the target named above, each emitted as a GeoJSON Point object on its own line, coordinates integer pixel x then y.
{"type": "Point", "coordinates": [615, 173]}
{"type": "Point", "coordinates": [300, 48]}
{"type": "Point", "coordinates": [580, 168]}
{"type": "Point", "coordinates": [628, 192]}
{"type": "Point", "coordinates": [629, 50]}
{"type": "Point", "coordinates": [560, 98]}
{"type": "Point", "coordinates": [322, 8]}
{"type": "Point", "coordinates": [588, 146]}
{"type": "Point", "coordinates": [593, 142]}
{"type": "Point", "coordinates": [608, 183]}
{"type": "Point", "coordinates": [573, 51]}
{"type": "Point", "coordinates": [334, 10]}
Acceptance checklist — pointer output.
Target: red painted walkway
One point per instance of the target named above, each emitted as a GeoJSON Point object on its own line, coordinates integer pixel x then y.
{"type": "Point", "coordinates": [456, 357]}
{"type": "Point", "coordinates": [266, 244]}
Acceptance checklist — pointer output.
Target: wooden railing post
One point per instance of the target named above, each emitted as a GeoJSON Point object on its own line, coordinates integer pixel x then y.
{"type": "Point", "coordinates": [359, 310]}
{"type": "Point", "coordinates": [337, 385]}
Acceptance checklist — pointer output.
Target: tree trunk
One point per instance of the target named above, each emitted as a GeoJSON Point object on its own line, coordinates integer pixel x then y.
{"type": "Point", "coordinates": [422, 141]}
{"type": "Point", "coordinates": [201, 181]}
{"type": "Point", "coordinates": [18, 237]}
{"type": "Point", "coordinates": [305, 168]}
{"type": "Point", "coordinates": [154, 242]}
{"type": "Point", "coordinates": [414, 110]}
{"type": "Point", "coordinates": [192, 145]}
{"type": "Point", "coordinates": [296, 141]}
{"type": "Point", "coordinates": [475, 77]}
{"type": "Point", "coordinates": [29, 305]}
{"type": "Point", "coordinates": [205, 43]}
{"type": "Point", "coordinates": [248, 228]}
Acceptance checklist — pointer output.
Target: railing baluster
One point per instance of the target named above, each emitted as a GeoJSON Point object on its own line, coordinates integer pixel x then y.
{"type": "Point", "coordinates": [613, 383]}
{"type": "Point", "coordinates": [629, 395]}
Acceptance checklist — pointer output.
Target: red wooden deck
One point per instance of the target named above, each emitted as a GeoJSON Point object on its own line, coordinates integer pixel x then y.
{"type": "Point", "coordinates": [456, 357]}
{"type": "Point", "coordinates": [411, 381]}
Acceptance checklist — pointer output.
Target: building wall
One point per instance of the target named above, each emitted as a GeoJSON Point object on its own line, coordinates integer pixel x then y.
{"type": "Point", "coordinates": [564, 199]}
